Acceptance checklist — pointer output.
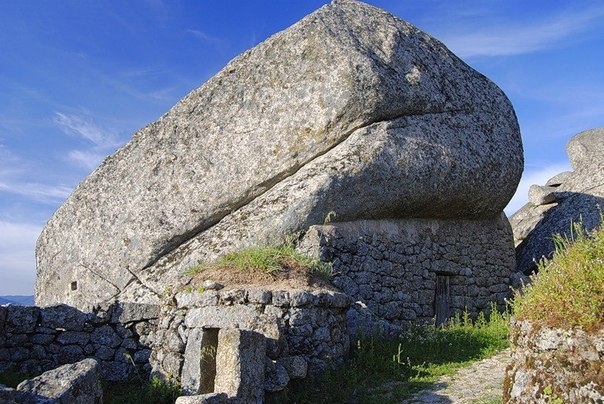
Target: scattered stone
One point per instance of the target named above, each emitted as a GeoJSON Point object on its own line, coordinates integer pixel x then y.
{"type": "Point", "coordinates": [77, 383]}
{"type": "Point", "coordinates": [211, 285]}
{"type": "Point", "coordinates": [210, 398]}
{"type": "Point", "coordinates": [539, 195]}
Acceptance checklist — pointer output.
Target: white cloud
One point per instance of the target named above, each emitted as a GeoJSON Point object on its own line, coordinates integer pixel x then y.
{"type": "Point", "coordinates": [39, 192]}
{"type": "Point", "coordinates": [492, 39]}
{"type": "Point", "coordinates": [17, 266]}
{"type": "Point", "coordinates": [537, 176]}
{"type": "Point", "coordinates": [103, 142]}
{"type": "Point", "coordinates": [87, 159]}
{"type": "Point", "coordinates": [75, 125]}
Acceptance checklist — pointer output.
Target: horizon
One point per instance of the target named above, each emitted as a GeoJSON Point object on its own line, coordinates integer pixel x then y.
{"type": "Point", "coordinates": [74, 91]}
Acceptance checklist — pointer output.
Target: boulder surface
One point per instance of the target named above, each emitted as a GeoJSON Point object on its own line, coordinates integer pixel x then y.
{"type": "Point", "coordinates": [574, 198]}
{"type": "Point", "coordinates": [350, 113]}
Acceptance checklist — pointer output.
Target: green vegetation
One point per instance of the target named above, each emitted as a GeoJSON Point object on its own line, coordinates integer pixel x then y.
{"type": "Point", "coordinates": [12, 379]}
{"type": "Point", "coordinates": [154, 391]}
{"type": "Point", "coordinates": [568, 290]}
{"type": "Point", "coordinates": [385, 370]}
{"type": "Point", "coordinates": [266, 259]}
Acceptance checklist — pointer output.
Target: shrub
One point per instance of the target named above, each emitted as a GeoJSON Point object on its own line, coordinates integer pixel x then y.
{"type": "Point", "coordinates": [568, 290]}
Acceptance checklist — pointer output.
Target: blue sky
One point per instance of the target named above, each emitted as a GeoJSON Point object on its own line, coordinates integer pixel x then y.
{"type": "Point", "coordinates": [78, 78]}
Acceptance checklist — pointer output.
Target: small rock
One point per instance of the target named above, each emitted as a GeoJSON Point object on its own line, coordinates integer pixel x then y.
{"type": "Point", "coordinates": [539, 195]}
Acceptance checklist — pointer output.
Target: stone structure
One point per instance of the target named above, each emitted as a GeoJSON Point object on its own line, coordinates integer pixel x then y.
{"type": "Point", "coordinates": [77, 383]}
{"type": "Point", "coordinates": [416, 270]}
{"type": "Point", "coordinates": [252, 342]}
{"type": "Point", "coordinates": [567, 198]}
{"type": "Point", "coordinates": [554, 365]}
{"type": "Point", "coordinates": [34, 340]}
{"type": "Point", "coordinates": [350, 111]}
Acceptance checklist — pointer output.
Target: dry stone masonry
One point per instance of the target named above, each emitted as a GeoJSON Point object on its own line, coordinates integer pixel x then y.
{"type": "Point", "coordinates": [416, 270]}
{"type": "Point", "coordinates": [34, 340]}
{"type": "Point", "coordinates": [350, 111]}
{"type": "Point", "coordinates": [248, 342]}
{"type": "Point", "coordinates": [567, 198]}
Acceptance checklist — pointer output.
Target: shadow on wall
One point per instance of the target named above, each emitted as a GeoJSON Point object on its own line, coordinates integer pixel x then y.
{"type": "Point", "coordinates": [572, 207]}
{"type": "Point", "coordinates": [34, 340]}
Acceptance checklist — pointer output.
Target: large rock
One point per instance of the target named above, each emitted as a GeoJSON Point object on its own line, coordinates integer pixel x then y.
{"type": "Point", "coordinates": [579, 199]}
{"type": "Point", "coordinates": [77, 383]}
{"type": "Point", "coordinates": [350, 110]}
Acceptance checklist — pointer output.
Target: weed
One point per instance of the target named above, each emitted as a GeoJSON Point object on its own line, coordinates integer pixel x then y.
{"type": "Point", "coordinates": [402, 366]}
{"type": "Point", "coordinates": [568, 290]}
{"type": "Point", "coordinates": [154, 391]}
{"type": "Point", "coordinates": [267, 259]}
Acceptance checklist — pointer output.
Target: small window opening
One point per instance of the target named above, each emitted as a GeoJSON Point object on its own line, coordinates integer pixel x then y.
{"type": "Point", "coordinates": [74, 285]}
{"type": "Point", "coordinates": [209, 344]}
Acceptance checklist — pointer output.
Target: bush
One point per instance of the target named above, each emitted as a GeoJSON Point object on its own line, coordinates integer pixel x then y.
{"type": "Point", "coordinates": [568, 290]}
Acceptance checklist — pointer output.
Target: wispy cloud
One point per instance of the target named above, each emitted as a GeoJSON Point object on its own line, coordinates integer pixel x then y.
{"type": "Point", "coordinates": [103, 141]}
{"type": "Point", "coordinates": [17, 266]}
{"type": "Point", "coordinates": [496, 39]}
{"type": "Point", "coordinates": [36, 191]}
{"type": "Point", "coordinates": [206, 39]}
{"type": "Point", "coordinates": [76, 125]}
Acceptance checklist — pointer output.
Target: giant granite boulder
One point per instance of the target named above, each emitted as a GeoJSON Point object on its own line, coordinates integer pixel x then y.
{"type": "Point", "coordinates": [350, 111]}
{"type": "Point", "coordinates": [568, 198]}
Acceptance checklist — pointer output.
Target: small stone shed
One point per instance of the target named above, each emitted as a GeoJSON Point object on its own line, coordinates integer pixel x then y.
{"type": "Point", "coordinates": [416, 270]}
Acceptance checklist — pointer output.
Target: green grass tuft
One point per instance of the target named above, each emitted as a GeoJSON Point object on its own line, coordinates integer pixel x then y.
{"type": "Point", "coordinates": [154, 391]}
{"type": "Point", "coordinates": [384, 370]}
{"type": "Point", "coordinates": [568, 290]}
{"type": "Point", "coordinates": [266, 259]}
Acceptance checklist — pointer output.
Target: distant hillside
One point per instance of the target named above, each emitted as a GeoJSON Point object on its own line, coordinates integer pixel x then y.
{"type": "Point", "coordinates": [17, 299]}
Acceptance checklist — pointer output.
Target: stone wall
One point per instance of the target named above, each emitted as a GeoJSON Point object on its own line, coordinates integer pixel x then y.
{"type": "Point", "coordinates": [301, 331]}
{"type": "Point", "coordinates": [554, 365]}
{"type": "Point", "coordinates": [34, 339]}
{"type": "Point", "coordinates": [416, 270]}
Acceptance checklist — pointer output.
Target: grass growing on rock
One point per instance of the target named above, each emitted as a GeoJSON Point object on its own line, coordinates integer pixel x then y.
{"type": "Point", "coordinates": [568, 290]}
{"type": "Point", "coordinates": [383, 370]}
{"type": "Point", "coordinates": [269, 260]}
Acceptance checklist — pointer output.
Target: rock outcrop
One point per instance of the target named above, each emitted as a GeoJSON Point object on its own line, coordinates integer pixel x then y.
{"type": "Point", "coordinates": [551, 365]}
{"type": "Point", "coordinates": [77, 383]}
{"type": "Point", "coordinates": [567, 198]}
{"type": "Point", "coordinates": [350, 111]}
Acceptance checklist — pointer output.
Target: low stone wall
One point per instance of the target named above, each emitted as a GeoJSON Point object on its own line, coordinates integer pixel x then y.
{"type": "Point", "coordinates": [301, 331]}
{"type": "Point", "coordinates": [553, 365]}
{"type": "Point", "coordinates": [34, 340]}
{"type": "Point", "coordinates": [416, 270]}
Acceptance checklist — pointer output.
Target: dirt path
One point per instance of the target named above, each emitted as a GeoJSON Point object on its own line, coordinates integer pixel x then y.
{"type": "Point", "coordinates": [480, 384]}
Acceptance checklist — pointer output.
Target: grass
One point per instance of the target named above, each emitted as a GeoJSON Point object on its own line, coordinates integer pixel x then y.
{"type": "Point", "coordinates": [568, 290]}
{"type": "Point", "coordinates": [266, 259]}
{"type": "Point", "coordinates": [383, 370]}
{"type": "Point", "coordinates": [12, 379]}
{"type": "Point", "coordinates": [154, 391]}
